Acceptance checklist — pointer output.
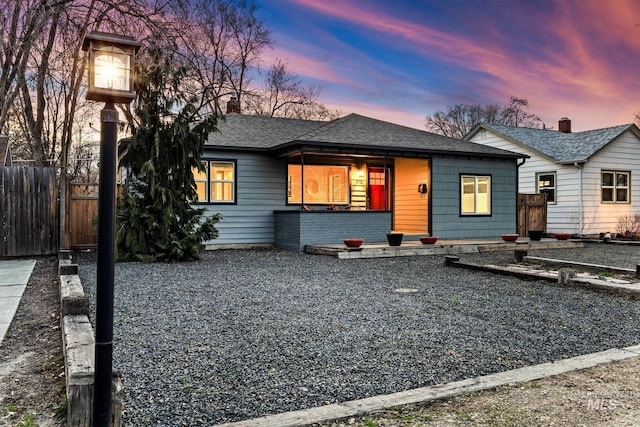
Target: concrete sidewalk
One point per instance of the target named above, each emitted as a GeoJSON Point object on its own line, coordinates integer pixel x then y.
{"type": "Point", "coordinates": [14, 275]}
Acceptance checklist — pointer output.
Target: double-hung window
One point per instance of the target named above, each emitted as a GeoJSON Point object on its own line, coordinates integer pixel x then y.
{"type": "Point", "coordinates": [615, 187]}
{"type": "Point", "coordinates": [475, 194]}
{"type": "Point", "coordinates": [217, 183]}
{"type": "Point", "coordinates": [546, 183]}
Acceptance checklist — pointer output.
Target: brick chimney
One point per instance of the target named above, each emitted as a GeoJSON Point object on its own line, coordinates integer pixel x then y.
{"type": "Point", "coordinates": [564, 125]}
{"type": "Point", "coordinates": [233, 105]}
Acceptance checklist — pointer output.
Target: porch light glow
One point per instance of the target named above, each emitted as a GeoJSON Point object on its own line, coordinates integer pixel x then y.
{"type": "Point", "coordinates": [112, 69]}
{"type": "Point", "coordinates": [111, 58]}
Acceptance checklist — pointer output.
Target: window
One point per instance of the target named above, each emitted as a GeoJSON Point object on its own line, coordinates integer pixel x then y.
{"type": "Point", "coordinates": [322, 184]}
{"type": "Point", "coordinates": [546, 183]}
{"type": "Point", "coordinates": [217, 183]}
{"type": "Point", "coordinates": [476, 195]}
{"type": "Point", "coordinates": [615, 187]}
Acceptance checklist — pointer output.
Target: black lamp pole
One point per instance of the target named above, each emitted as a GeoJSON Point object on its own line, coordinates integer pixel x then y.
{"type": "Point", "coordinates": [105, 266]}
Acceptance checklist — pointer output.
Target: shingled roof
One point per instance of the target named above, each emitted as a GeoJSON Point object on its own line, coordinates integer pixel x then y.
{"type": "Point", "coordinates": [560, 146]}
{"type": "Point", "coordinates": [352, 132]}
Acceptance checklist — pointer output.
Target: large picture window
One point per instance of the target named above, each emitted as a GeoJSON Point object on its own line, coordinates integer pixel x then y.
{"type": "Point", "coordinates": [546, 183]}
{"type": "Point", "coordinates": [217, 183]}
{"type": "Point", "coordinates": [615, 187]}
{"type": "Point", "coordinates": [322, 184]}
{"type": "Point", "coordinates": [475, 195]}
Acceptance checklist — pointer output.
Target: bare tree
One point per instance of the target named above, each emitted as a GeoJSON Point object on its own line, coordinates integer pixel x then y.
{"type": "Point", "coordinates": [43, 69]}
{"type": "Point", "coordinates": [285, 95]}
{"type": "Point", "coordinates": [514, 114]}
{"type": "Point", "coordinates": [220, 42]}
{"type": "Point", "coordinates": [21, 24]}
{"type": "Point", "coordinates": [460, 119]}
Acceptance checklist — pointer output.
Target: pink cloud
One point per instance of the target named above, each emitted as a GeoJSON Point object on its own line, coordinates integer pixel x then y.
{"type": "Point", "coordinates": [587, 73]}
{"type": "Point", "coordinates": [581, 61]}
{"type": "Point", "coordinates": [305, 65]}
{"type": "Point", "coordinates": [393, 115]}
{"type": "Point", "coordinates": [428, 40]}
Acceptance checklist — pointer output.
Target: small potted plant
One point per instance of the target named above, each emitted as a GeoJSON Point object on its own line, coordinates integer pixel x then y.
{"type": "Point", "coordinates": [394, 239]}
{"type": "Point", "coordinates": [535, 235]}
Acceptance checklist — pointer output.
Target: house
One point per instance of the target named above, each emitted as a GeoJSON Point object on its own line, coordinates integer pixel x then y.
{"type": "Point", "coordinates": [5, 151]}
{"type": "Point", "coordinates": [591, 178]}
{"type": "Point", "coordinates": [289, 182]}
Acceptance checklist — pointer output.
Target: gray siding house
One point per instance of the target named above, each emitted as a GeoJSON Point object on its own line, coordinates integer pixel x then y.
{"type": "Point", "coordinates": [591, 178]}
{"type": "Point", "coordinates": [288, 183]}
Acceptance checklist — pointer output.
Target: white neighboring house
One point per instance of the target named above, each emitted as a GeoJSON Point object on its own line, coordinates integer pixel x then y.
{"type": "Point", "coordinates": [592, 178]}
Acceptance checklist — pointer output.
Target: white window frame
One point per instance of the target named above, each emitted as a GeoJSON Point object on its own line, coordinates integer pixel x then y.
{"type": "Point", "coordinates": [553, 187]}
{"type": "Point", "coordinates": [476, 179]}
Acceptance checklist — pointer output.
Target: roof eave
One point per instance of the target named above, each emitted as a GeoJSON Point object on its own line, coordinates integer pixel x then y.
{"type": "Point", "coordinates": [288, 148]}
{"type": "Point", "coordinates": [236, 148]}
{"type": "Point", "coordinates": [513, 140]}
{"type": "Point", "coordinates": [572, 162]}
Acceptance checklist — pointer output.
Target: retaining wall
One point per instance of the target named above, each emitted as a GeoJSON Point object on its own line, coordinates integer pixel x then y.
{"type": "Point", "coordinates": [78, 341]}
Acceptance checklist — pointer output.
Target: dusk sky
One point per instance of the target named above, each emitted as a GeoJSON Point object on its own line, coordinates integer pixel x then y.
{"type": "Point", "coordinates": [400, 60]}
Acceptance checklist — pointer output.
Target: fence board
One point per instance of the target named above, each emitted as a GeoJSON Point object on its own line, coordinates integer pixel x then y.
{"type": "Point", "coordinates": [83, 209]}
{"type": "Point", "coordinates": [532, 213]}
{"type": "Point", "coordinates": [28, 212]}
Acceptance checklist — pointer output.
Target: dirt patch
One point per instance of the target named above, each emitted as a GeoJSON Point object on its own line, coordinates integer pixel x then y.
{"type": "Point", "coordinates": [602, 396]}
{"type": "Point", "coordinates": [32, 385]}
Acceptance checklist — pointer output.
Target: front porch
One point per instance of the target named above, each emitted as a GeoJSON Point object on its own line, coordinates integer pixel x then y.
{"type": "Point", "coordinates": [441, 247]}
{"type": "Point", "coordinates": [294, 230]}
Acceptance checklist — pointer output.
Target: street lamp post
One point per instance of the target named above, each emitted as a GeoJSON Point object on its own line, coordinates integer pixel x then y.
{"type": "Point", "coordinates": [111, 59]}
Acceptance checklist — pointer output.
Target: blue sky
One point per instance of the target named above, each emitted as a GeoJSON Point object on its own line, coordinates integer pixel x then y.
{"type": "Point", "coordinates": [401, 60]}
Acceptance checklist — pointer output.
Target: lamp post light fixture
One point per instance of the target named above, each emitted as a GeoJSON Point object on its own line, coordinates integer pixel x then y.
{"type": "Point", "coordinates": [111, 59]}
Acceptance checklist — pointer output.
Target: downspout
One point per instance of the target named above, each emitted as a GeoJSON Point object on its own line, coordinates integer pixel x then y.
{"type": "Point", "coordinates": [580, 207]}
{"type": "Point", "coordinates": [517, 193]}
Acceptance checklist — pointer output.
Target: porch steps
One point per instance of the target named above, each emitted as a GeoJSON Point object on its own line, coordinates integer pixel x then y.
{"type": "Point", "coordinates": [442, 247]}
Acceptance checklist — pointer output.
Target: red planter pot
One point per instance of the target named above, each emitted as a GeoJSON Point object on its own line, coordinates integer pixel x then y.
{"type": "Point", "coordinates": [428, 240]}
{"type": "Point", "coordinates": [562, 236]}
{"type": "Point", "coordinates": [353, 243]}
{"type": "Point", "coordinates": [510, 237]}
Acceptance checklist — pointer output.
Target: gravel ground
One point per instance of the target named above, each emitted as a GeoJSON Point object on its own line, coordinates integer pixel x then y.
{"type": "Point", "coordinates": [242, 334]}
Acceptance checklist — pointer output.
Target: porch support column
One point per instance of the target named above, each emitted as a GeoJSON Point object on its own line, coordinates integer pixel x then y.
{"type": "Point", "coordinates": [302, 179]}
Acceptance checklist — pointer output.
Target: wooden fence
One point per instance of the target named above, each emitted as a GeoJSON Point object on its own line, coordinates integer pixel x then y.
{"type": "Point", "coordinates": [28, 211]}
{"type": "Point", "coordinates": [82, 215]}
{"type": "Point", "coordinates": [532, 213]}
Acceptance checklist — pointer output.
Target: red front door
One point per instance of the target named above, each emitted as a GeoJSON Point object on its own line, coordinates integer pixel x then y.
{"type": "Point", "coordinates": [378, 189]}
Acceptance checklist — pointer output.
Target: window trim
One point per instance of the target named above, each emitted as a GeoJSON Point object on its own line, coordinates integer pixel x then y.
{"type": "Point", "coordinates": [460, 189]}
{"type": "Point", "coordinates": [208, 183]}
{"type": "Point", "coordinates": [555, 186]}
{"type": "Point", "coordinates": [614, 187]}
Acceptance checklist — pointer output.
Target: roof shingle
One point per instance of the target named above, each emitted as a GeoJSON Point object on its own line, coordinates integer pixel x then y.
{"type": "Point", "coordinates": [560, 146]}
{"type": "Point", "coordinates": [353, 130]}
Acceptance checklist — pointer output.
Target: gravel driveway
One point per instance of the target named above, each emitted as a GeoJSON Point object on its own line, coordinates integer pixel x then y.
{"type": "Point", "coordinates": [241, 334]}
